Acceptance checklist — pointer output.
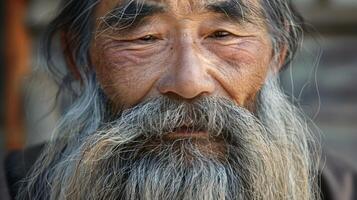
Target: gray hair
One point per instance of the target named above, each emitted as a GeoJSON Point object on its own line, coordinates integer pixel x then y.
{"type": "Point", "coordinates": [94, 154]}
{"type": "Point", "coordinates": [268, 154]}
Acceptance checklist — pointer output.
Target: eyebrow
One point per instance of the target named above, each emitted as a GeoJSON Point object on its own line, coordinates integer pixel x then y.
{"type": "Point", "coordinates": [131, 13]}
{"type": "Point", "coordinates": [233, 10]}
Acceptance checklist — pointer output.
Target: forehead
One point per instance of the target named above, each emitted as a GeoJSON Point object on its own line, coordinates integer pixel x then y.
{"type": "Point", "coordinates": [178, 7]}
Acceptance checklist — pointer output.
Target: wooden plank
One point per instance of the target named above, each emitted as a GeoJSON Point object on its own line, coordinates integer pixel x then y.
{"type": "Point", "coordinates": [330, 19]}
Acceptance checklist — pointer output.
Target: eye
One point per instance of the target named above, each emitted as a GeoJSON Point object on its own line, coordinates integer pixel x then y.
{"type": "Point", "coordinates": [221, 34]}
{"type": "Point", "coordinates": [148, 38]}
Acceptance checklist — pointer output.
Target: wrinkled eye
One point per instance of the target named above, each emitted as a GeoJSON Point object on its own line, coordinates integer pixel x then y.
{"type": "Point", "coordinates": [148, 38]}
{"type": "Point", "coordinates": [221, 34]}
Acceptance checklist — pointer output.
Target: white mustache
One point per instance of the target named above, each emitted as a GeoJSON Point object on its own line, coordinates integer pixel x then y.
{"type": "Point", "coordinates": [159, 116]}
{"type": "Point", "coordinates": [262, 155]}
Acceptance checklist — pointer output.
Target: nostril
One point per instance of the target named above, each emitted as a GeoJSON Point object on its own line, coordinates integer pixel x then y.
{"type": "Point", "coordinates": [173, 96]}
{"type": "Point", "coordinates": [184, 90]}
{"type": "Point", "coordinates": [177, 97]}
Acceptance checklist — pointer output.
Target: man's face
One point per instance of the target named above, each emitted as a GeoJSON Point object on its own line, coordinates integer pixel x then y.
{"type": "Point", "coordinates": [194, 112]}
{"type": "Point", "coordinates": [181, 49]}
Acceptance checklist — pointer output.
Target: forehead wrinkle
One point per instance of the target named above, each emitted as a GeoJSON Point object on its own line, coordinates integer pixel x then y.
{"type": "Point", "coordinates": [233, 10]}
{"type": "Point", "coordinates": [184, 7]}
{"type": "Point", "coordinates": [128, 14]}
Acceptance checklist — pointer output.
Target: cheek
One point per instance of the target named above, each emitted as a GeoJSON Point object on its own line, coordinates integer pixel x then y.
{"type": "Point", "coordinates": [242, 69]}
{"type": "Point", "coordinates": [245, 52]}
{"type": "Point", "coordinates": [128, 75]}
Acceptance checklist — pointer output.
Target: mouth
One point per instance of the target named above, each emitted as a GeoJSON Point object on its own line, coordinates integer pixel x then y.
{"type": "Point", "coordinates": [185, 132]}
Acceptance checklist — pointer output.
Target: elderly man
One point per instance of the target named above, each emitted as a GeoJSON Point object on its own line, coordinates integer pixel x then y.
{"type": "Point", "coordinates": [176, 99]}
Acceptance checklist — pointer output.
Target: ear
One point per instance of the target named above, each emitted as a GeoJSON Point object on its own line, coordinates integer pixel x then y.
{"type": "Point", "coordinates": [282, 57]}
{"type": "Point", "coordinates": [69, 56]}
{"type": "Point", "coordinates": [279, 60]}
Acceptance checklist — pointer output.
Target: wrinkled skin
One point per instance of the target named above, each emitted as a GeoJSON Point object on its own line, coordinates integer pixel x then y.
{"type": "Point", "coordinates": [184, 53]}
{"type": "Point", "coordinates": [200, 114]}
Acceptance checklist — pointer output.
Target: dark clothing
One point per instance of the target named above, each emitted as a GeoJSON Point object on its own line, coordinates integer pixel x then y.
{"type": "Point", "coordinates": [338, 179]}
{"type": "Point", "coordinates": [17, 164]}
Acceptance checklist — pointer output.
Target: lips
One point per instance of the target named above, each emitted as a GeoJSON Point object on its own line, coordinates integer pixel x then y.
{"type": "Point", "coordinates": [187, 132]}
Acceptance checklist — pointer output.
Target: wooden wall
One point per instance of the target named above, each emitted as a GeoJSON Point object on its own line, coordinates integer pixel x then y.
{"type": "Point", "coordinates": [17, 61]}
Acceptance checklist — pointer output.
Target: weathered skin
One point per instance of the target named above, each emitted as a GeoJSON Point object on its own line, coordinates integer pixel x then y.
{"type": "Point", "coordinates": [185, 58]}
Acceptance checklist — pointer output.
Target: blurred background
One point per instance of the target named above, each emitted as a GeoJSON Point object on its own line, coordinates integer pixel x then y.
{"type": "Point", "coordinates": [323, 78]}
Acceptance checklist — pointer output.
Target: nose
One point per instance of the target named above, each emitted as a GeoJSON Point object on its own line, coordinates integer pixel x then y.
{"type": "Point", "coordinates": [188, 77]}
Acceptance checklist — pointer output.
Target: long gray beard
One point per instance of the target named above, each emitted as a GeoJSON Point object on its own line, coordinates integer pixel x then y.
{"type": "Point", "coordinates": [266, 154]}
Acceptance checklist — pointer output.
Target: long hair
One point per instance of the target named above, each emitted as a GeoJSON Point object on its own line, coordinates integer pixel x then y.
{"type": "Point", "coordinates": [272, 154]}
